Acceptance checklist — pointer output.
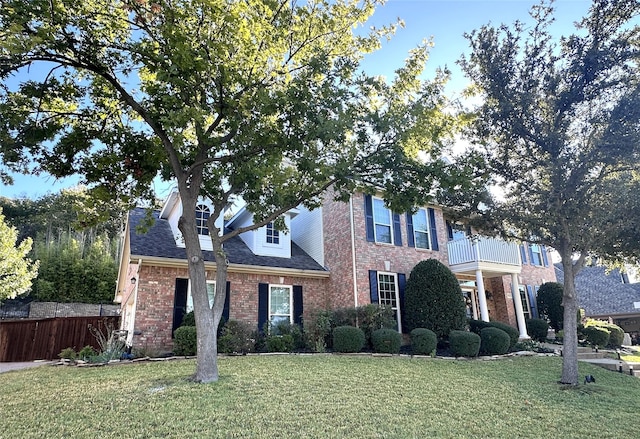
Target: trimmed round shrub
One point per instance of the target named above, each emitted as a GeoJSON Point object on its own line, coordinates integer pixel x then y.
{"type": "Point", "coordinates": [386, 341]}
{"type": "Point", "coordinates": [549, 302]}
{"type": "Point", "coordinates": [596, 336]}
{"type": "Point", "coordinates": [185, 341]}
{"type": "Point", "coordinates": [280, 343]}
{"type": "Point", "coordinates": [189, 319]}
{"type": "Point", "coordinates": [478, 325]}
{"type": "Point", "coordinates": [616, 333]}
{"type": "Point", "coordinates": [236, 337]}
{"type": "Point", "coordinates": [537, 329]}
{"type": "Point", "coordinates": [433, 299]}
{"type": "Point", "coordinates": [348, 339]}
{"type": "Point", "coordinates": [423, 341]}
{"type": "Point", "coordinates": [560, 335]}
{"type": "Point", "coordinates": [464, 343]}
{"type": "Point", "coordinates": [494, 341]}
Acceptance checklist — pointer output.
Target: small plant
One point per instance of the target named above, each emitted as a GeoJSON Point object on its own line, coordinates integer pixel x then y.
{"type": "Point", "coordinates": [236, 337]}
{"type": "Point", "coordinates": [423, 341]}
{"type": "Point", "coordinates": [68, 354]}
{"type": "Point", "coordinates": [386, 341]}
{"type": "Point", "coordinates": [464, 343]}
{"type": "Point", "coordinates": [560, 336]}
{"type": "Point", "coordinates": [348, 339]}
{"type": "Point", "coordinates": [537, 329]}
{"type": "Point", "coordinates": [279, 343]}
{"type": "Point", "coordinates": [110, 341]}
{"type": "Point", "coordinates": [185, 341]}
{"type": "Point", "coordinates": [189, 319]}
{"type": "Point", "coordinates": [87, 353]}
{"type": "Point", "coordinates": [494, 341]}
{"type": "Point", "coordinates": [286, 328]}
{"type": "Point", "coordinates": [318, 330]}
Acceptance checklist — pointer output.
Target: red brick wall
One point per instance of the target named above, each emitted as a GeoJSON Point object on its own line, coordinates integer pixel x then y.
{"type": "Point", "coordinates": [368, 255]}
{"type": "Point", "coordinates": [156, 289]}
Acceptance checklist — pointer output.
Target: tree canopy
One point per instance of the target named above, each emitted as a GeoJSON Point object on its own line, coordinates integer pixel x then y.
{"type": "Point", "coordinates": [258, 99]}
{"type": "Point", "coordinates": [16, 270]}
{"type": "Point", "coordinates": [559, 131]}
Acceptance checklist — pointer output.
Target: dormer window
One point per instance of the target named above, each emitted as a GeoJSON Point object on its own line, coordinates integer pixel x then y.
{"type": "Point", "coordinates": [273, 235]}
{"type": "Point", "coordinates": [202, 216]}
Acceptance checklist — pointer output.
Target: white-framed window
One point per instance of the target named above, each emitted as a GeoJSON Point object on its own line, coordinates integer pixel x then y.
{"type": "Point", "coordinates": [382, 221]}
{"type": "Point", "coordinates": [388, 293]}
{"type": "Point", "coordinates": [280, 304]}
{"type": "Point", "coordinates": [211, 292]}
{"type": "Point", "coordinates": [421, 236]}
{"type": "Point", "coordinates": [272, 234]}
{"type": "Point", "coordinates": [536, 254]}
{"type": "Point", "coordinates": [524, 298]}
{"type": "Point", "coordinates": [202, 216]}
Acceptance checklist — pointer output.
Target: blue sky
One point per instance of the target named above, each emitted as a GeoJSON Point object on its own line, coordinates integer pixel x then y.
{"type": "Point", "coordinates": [445, 21]}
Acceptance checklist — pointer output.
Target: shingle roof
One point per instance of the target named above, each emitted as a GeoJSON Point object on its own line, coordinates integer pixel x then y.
{"type": "Point", "coordinates": [602, 294]}
{"type": "Point", "coordinates": [158, 242]}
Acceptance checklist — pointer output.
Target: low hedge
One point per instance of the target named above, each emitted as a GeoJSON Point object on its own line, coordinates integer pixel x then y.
{"type": "Point", "coordinates": [423, 341]}
{"type": "Point", "coordinates": [280, 343]}
{"type": "Point", "coordinates": [616, 333]}
{"type": "Point", "coordinates": [386, 341]}
{"type": "Point", "coordinates": [494, 341]}
{"type": "Point", "coordinates": [348, 339]}
{"type": "Point", "coordinates": [464, 343]}
{"type": "Point", "coordinates": [185, 341]}
{"type": "Point", "coordinates": [596, 336]}
{"type": "Point", "coordinates": [537, 329]}
{"type": "Point", "coordinates": [478, 325]}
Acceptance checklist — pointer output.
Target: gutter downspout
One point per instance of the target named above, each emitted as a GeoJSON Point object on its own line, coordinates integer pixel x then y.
{"type": "Point", "coordinates": [132, 323]}
{"type": "Point", "coordinates": [353, 252]}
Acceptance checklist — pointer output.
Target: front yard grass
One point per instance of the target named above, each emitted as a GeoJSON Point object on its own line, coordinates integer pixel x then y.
{"type": "Point", "coordinates": [320, 396]}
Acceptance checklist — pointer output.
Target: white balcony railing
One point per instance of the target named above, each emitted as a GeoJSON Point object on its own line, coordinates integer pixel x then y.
{"type": "Point", "coordinates": [492, 250]}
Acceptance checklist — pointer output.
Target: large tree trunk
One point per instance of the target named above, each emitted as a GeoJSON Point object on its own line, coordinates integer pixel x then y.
{"type": "Point", "coordinates": [206, 324]}
{"type": "Point", "coordinates": [570, 304]}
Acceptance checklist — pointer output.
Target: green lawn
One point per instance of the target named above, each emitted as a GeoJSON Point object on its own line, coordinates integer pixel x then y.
{"type": "Point", "coordinates": [319, 396]}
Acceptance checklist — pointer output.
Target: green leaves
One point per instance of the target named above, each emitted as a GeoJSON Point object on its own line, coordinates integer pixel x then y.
{"type": "Point", "coordinates": [16, 270]}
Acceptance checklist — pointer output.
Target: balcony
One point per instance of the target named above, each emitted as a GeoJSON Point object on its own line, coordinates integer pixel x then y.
{"type": "Point", "coordinates": [487, 254]}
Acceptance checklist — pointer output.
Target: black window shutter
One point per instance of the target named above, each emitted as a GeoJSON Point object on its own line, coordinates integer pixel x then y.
{"type": "Point", "coordinates": [263, 305]}
{"type": "Point", "coordinates": [433, 230]}
{"type": "Point", "coordinates": [410, 240]}
{"type": "Point", "coordinates": [368, 212]}
{"type": "Point", "coordinates": [545, 260]}
{"type": "Point", "coordinates": [297, 305]}
{"type": "Point", "coordinates": [533, 306]}
{"type": "Point", "coordinates": [227, 304]}
{"type": "Point", "coordinates": [397, 233]}
{"type": "Point", "coordinates": [523, 254]}
{"type": "Point", "coordinates": [449, 231]}
{"type": "Point", "coordinates": [179, 303]}
{"type": "Point", "coordinates": [373, 285]}
{"type": "Point", "coordinates": [402, 283]}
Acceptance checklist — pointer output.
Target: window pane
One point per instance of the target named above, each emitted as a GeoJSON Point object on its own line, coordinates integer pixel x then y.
{"type": "Point", "coordinates": [273, 235]}
{"type": "Point", "coordinates": [280, 301]}
{"type": "Point", "coordinates": [537, 254]}
{"type": "Point", "coordinates": [422, 239]}
{"type": "Point", "coordinates": [420, 221]}
{"type": "Point", "coordinates": [381, 214]}
{"type": "Point", "coordinates": [387, 290]}
{"type": "Point", "coordinates": [202, 215]}
{"type": "Point", "coordinates": [383, 234]}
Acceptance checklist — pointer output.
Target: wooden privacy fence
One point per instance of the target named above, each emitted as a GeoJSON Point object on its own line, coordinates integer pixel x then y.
{"type": "Point", "coordinates": [28, 340]}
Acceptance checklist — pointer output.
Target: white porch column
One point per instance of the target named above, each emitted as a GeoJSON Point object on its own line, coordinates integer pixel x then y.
{"type": "Point", "coordinates": [482, 298]}
{"type": "Point", "coordinates": [517, 301]}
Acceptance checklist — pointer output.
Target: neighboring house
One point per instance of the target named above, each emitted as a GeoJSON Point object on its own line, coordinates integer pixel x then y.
{"type": "Point", "coordinates": [608, 296]}
{"type": "Point", "coordinates": [339, 255]}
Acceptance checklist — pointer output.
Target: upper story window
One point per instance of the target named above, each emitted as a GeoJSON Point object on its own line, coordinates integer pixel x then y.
{"type": "Point", "coordinates": [455, 231]}
{"type": "Point", "coordinates": [421, 229]}
{"type": "Point", "coordinates": [382, 222]}
{"type": "Point", "coordinates": [273, 235]}
{"type": "Point", "coordinates": [536, 254]}
{"type": "Point", "coordinates": [202, 215]}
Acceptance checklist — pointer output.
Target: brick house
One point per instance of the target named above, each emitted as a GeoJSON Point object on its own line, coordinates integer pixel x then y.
{"type": "Point", "coordinates": [339, 255]}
